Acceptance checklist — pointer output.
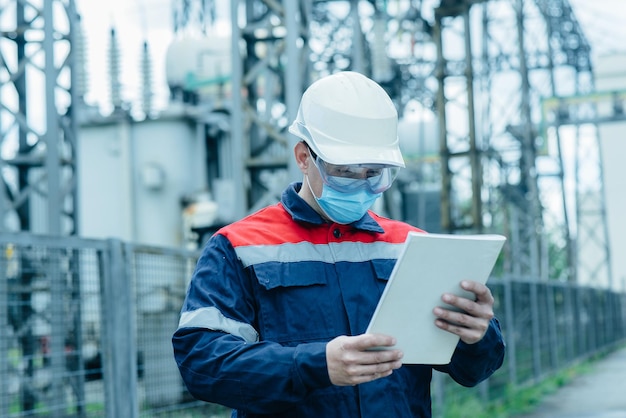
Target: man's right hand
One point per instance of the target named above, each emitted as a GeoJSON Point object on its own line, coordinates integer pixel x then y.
{"type": "Point", "coordinates": [352, 361]}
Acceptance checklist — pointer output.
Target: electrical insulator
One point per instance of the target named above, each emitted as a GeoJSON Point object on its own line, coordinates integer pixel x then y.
{"type": "Point", "coordinates": [114, 72]}
{"type": "Point", "coordinates": [146, 73]}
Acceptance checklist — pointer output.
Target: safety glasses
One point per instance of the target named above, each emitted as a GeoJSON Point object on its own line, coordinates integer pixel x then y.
{"type": "Point", "coordinates": [349, 178]}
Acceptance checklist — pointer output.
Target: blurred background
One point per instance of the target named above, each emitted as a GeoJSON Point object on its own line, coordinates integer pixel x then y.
{"type": "Point", "coordinates": [132, 130]}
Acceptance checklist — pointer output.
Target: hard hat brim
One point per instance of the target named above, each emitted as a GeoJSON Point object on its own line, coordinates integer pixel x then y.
{"type": "Point", "coordinates": [331, 151]}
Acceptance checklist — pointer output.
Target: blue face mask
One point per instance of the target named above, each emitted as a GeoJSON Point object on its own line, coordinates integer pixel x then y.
{"type": "Point", "coordinates": [345, 208]}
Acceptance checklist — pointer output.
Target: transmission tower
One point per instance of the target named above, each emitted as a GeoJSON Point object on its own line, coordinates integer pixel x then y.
{"type": "Point", "coordinates": [193, 15]}
{"type": "Point", "coordinates": [484, 66]}
{"type": "Point", "coordinates": [283, 47]}
{"type": "Point", "coordinates": [38, 109]}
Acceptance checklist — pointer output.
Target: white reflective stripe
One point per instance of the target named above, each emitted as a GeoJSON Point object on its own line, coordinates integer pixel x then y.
{"type": "Point", "coordinates": [211, 318]}
{"type": "Point", "coordinates": [325, 253]}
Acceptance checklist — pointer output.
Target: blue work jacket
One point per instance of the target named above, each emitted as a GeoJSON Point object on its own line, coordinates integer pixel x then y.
{"type": "Point", "coordinates": [271, 290]}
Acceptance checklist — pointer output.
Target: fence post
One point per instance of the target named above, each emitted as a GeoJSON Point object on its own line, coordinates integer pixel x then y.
{"type": "Point", "coordinates": [620, 314]}
{"type": "Point", "coordinates": [552, 326]}
{"type": "Point", "coordinates": [580, 325]}
{"type": "Point", "coordinates": [439, 394]}
{"type": "Point", "coordinates": [119, 346]}
{"type": "Point", "coordinates": [536, 333]}
{"type": "Point", "coordinates": [570, 323]}
{"type": "Point", "coordinates": [4, 328]}
{"type": "Point", "coordinates": [509, 324]}
{"type": "Point", "coordinates": [58, 332]}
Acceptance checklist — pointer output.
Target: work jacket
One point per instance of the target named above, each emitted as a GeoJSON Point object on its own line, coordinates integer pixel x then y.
{"type": "Point", "coordinates": [271, 290]}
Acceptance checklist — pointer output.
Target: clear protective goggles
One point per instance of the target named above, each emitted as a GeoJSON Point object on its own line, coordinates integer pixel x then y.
{"type": "Point", "coordinates": [351, 177]}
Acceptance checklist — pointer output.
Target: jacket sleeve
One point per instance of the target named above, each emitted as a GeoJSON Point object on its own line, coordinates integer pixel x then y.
{"type": "Point", "coordinates": [473, 363]}
{"type": "Point", "coordinates": [217, 348]}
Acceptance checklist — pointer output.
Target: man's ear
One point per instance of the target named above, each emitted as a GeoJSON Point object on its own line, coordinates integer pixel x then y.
{"type": "Point", "coordinates": [301, 152]}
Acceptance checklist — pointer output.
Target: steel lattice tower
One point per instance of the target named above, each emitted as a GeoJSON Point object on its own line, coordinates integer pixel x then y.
{"type": "Point", "coordinates": [485, 67]}
{"type": "Point", "coordinates": [528, 50]}
{"type": "Point", "coordinates": [38, 115]}
{"type": "Point", "coordinates": [39, 109]}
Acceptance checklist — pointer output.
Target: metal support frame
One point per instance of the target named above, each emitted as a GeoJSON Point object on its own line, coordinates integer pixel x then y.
{"type": "Point", "coordinates": [591, 221]}
{"type": "Point", "coordinates": [273, 63]}
{"type": "Point", "coordinates": [269, 69]}
{"type": "Point", "coordinates": [489, 161]}
{"type": "Point", "coordinates": [457, 141]}
{"type": "Point", "coordinates": [490, 140]}
{"type": "Point", "coordinates": [38, 114]}
{"type": "Point", "coordinates": [119, 333]}
{"type": "Point", "coordinates": [278, 51]}
{"type": "Point", "coordinates": [488, 157]}
{"type": "Point", "coordinates": [38, 177]}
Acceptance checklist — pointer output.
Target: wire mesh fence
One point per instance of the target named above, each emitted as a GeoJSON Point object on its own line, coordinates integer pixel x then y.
{"type": "Point", "coordinates": [86, 325]}
{"type": "Point", "coordinates": [547, 326]}
{"type": "Point", "coordinates": [44, 323]}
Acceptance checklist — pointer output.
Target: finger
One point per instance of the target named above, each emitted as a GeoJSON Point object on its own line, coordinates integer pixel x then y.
{"type": "Point", "coordinates": [482, 292]}
{"type": "Point", "coordinates": [472, 308]}
{"type": "Point", "coordinates": [381, 357]}
{"type": "Point", "coordinates": [368, 341]}
{"type": "Point", "coordinates": [471, 312]}
{"type": "Point", "coordinates": [459, 318]}
{"type": "Point", "coordinates": [471, 329]}
{"type": "Point", "coordinates": [467, 335]}
{"type": "Point", "coordinates": [361, 350]}
{"type": "Point", "coordinates": [368, 362]}
{"type": "Point", "coordinates": [476, 306]}
{"type": "Point", "coordinates": [348, 366]}
{"type": "Point", "coordinates": [375, 369]}
{"type": "Point", "coordinates": [459, 303]}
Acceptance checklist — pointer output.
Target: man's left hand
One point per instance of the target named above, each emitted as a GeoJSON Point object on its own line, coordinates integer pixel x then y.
{"type": "Point", "coordinates": [472, 323]}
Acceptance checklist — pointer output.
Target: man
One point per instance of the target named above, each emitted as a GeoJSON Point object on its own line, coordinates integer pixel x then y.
{"type": "Point", "coordinates": [274, 319]}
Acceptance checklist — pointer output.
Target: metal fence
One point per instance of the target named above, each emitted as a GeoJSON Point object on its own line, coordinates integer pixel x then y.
{"type": "Point", "coordinates": [547, 326]}
{"type": "Point", "coordinates": [85, 329]}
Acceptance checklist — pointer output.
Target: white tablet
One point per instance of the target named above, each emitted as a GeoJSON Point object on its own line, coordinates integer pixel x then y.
{"type": "Point", "coordinates": [429, 266]}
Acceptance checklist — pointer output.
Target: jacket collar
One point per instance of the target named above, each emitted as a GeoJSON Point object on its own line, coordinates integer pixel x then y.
{"type": "Point", "coordinates": [300, 211]}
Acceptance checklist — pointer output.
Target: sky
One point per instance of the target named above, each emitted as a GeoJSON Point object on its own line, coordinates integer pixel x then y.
{"type": "Point", "coordinates": [603, 22]}
{"type": "Point", "coordinates": [137, 20]}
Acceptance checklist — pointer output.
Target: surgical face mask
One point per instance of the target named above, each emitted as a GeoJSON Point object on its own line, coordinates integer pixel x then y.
{"type": "Point", "coordinates": [348, 191]}
{"type": "Point", "coordinates": [342, 207]}
{"type": "Point", "coordinates": [345, 208]}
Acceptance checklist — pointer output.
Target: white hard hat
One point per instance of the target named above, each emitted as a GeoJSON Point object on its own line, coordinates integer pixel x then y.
{"type": "Point", "coordinates": [346, 118]}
